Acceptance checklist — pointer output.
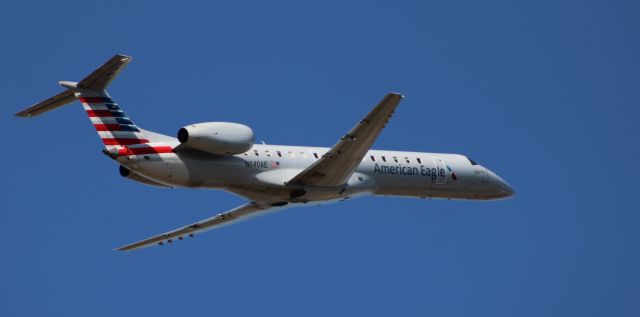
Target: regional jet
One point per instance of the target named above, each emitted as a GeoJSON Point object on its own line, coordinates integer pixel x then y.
{"type": "Point", "coordinates": [223, 155]}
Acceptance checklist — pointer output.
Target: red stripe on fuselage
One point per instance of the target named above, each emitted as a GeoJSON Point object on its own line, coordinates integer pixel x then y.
{"type": "Point", "coordinates": [145, 150]}
{"type": "Point", "coordinates": [123, 141]}
{"type": "Point", "coordinates": [107, 127]}
{"type": "Point", "coordinates": [99, 113]}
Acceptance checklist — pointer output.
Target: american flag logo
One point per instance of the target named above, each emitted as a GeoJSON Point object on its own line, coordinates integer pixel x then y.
{"type": "Point", "coordinates": [453, 175]}
{"type": "Point", "coordinates": [275, 164]}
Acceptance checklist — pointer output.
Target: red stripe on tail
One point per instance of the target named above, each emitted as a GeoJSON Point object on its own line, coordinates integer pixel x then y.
{"type": "Point", "coordinates": [99, 113]}
{"type": "Point", "coordinates": [107, 127]}
{"type": "Point", "coordinates": [95, 100]}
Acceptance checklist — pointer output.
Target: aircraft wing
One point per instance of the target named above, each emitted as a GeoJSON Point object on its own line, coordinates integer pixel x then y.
{"type": "Point", "coordinates": [243, 212]}
{"type": "Point", "coordinates": [336, 166]}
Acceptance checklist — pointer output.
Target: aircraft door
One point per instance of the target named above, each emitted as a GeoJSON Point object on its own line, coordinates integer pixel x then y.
{"type": "Point", "coordinates": [441, 170]}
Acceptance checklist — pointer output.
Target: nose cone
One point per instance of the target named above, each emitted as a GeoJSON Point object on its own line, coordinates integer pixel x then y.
{"type": "Point", "coordinates": [499, 187]}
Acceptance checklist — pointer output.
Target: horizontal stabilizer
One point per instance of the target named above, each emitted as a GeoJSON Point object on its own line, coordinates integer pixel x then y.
{"type": "Point", "coordinates": [96, 81]}
{"type": "Point", "coordinates": [54, 102]}
{"type": "Point", "coordinates": [102, 77]}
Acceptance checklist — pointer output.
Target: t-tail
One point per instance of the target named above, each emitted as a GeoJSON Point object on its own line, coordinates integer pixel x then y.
{"type": "Point", "coordinates": [116, 130]}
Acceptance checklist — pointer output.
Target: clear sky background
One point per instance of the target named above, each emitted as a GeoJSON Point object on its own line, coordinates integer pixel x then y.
{"type": "Point", "coordinates": [545, 93]}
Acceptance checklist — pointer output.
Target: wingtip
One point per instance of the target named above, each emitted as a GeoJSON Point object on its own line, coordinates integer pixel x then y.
{"type": "Point", "coordinates": [129, 247]}
{"type": "Point", "coordinates": [124, 57]}
{"type": "Point", "coordinates": [125, 248]}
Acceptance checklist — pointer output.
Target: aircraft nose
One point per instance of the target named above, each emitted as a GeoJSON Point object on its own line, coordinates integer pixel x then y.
{"type": "Point", "coordinates": [500, 188]}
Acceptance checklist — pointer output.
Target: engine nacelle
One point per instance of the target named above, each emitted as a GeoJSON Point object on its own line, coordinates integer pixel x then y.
{"type": "Point", "coordinates": [219, 138]}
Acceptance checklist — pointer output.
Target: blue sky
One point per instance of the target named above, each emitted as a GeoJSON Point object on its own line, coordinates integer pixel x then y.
{"type": "Point", "coordinates": [545, 93]}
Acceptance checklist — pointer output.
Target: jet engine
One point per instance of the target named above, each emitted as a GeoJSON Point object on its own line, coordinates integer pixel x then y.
{"type": "Point", "coordinates": [126, 173]}
{"type": "Point", "coordinates": [219, 138]}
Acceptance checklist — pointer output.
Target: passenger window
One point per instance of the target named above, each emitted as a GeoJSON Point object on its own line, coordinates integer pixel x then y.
{"type": "Point", "coordinates": [407, 160]}
{"type": "Point", "coordinates": [315, 154]}
{"type": "Point", "coordinates": [268, 153]}
{"type": "Point", "coordinates": [419, 161]}
{"type": "Point", "coordinates": [395, 159]}
{"type": "Point", "coordinates": [256, 152]}
{"type": "Point", "coordinates": [279, 153]}
{"type": "Point", "coordinates": [384, 159]}
{"type": "Point", "coordinates": [373, 159]}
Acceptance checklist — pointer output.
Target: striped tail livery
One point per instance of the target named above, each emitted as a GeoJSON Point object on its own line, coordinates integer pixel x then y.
{"type": "Point", "coordinates": [117, 131]}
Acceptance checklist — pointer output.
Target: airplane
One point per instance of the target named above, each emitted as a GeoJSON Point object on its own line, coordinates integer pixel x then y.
{"type": "Point", "coordinates": [223, 155]}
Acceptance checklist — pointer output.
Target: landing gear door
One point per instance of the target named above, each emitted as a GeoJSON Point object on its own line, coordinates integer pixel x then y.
{"type": "Point", "coordinates": [441, 170]}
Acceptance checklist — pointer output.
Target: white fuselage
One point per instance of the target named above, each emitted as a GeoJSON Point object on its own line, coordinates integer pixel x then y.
{"type": "Point", "coordinates": [262, 172]}
{"type": "Point", "coordinates": [222, 155]}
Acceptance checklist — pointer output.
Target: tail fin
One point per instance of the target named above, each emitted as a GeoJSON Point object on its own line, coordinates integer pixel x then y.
{"type": "Point", "coordinates": [113, 126]}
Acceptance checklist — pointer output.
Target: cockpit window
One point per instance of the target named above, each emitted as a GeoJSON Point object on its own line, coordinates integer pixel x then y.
{"type": "Point", "coordinates": [472, 161]}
